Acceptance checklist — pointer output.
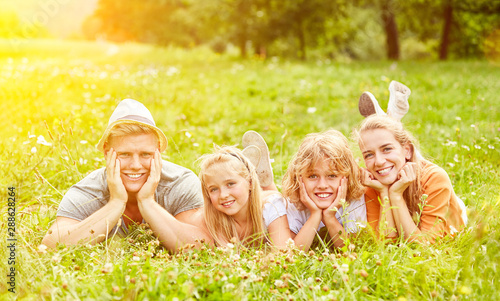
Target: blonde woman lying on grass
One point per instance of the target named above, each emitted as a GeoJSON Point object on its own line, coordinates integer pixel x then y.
{"type": "Point", "coordinates": [417, 200]}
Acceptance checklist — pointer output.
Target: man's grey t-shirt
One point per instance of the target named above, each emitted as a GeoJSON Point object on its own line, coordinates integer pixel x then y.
{"type": "Point", "coordinates": [179, 190]}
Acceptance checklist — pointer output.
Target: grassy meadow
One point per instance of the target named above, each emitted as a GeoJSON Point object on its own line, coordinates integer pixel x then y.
{"type": "Point", "coordinates": [56, 98]}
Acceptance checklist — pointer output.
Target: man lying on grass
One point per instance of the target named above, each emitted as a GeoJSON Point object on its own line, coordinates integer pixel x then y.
{"type": "Point", "coordinates": [136, 186]}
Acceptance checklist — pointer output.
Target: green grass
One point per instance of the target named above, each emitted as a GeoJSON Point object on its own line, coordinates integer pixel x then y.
{"type": "Point", "coordinates": [66, 91]}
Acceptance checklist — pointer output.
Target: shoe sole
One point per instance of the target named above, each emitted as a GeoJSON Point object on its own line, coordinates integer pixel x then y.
{"type": "Point", "coordinates": [365, 105]}
{"type": "Point", "coordinates": [252, 153]}
{"type": "Point", "coordinates": [263, 168]}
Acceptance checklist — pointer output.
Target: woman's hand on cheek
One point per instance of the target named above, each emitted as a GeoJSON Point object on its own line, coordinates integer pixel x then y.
{"type": "Point", "coordinates": [406, 176]}
{"type": "Point", "coordinates": [305, 199]}
{"type": "Point", "coordinates": [368, 180]}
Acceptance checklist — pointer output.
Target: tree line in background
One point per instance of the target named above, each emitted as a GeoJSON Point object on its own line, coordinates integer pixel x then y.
{"type": "Point", "coordinates": [357, 29]}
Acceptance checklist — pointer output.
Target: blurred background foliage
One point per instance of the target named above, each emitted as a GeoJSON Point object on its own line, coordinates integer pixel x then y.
{"type": "Point", "coordinates": [303, 29]}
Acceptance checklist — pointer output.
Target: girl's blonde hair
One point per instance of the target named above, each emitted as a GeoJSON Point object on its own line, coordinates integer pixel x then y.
{"type": "Point", "coordinates": [221, 226]}
{"type": "Point", "coordinates": [413, 193]}
{"type": "Point", "coordinates": [332, 146]}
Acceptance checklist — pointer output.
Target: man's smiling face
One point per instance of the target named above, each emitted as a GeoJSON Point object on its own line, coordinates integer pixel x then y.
{"type": "Point", "coordinates": [134, 153]}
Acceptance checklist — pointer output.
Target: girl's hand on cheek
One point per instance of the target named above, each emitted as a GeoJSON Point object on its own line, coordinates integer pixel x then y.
{"type": "Point", "coordinates": [305, 199]}
{"type": "Point", "coordinates": [406, 176]}
{"type": "Point", "coordinates": [368, 180]}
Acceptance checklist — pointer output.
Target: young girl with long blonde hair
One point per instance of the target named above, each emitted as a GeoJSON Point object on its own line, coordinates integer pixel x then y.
{"type": "Point", "coordinates": [235, 206]}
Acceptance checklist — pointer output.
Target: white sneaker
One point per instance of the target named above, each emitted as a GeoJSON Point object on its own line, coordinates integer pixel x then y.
{"type": "Point", "coordinates": [398, 100]}
{"type": "Point", "coordinates": [263, 167]}
{"type": "Point", "coordinates": [368, 105]}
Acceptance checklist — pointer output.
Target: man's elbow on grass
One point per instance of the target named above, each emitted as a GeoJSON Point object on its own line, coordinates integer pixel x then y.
{"type": "Point", "coordinates": [49, 241]}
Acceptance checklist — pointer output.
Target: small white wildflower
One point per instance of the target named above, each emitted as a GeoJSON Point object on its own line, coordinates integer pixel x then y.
{"type": "Point", "coordinates": [108, 267]}
{"type": "Point", "coordinates": [344, 268]}
{"type": "Point", "coordinates": [361, 225]}
{"type": "Point", "coordinates": [56, 258]}
{"type": "Point", "coordinates": [112, 50]}
{"type": "Point", "coordinates": [172, 71]}
{"type": "Point", "coordinates": [41, 140]}
{"type": "Point", "coordinates": [83, 142]}
{"type": "Point", "coordinates": [458, 118]}
{"type": "Point", "coordinates": [188, 134]}
{"type": "Point", "coordinates": [311, 110]}
{"type": "Point", "coordinates": [33, 150]}
{"type": "Point", "coordinates": [42, 249]}
{"type": "Point", "coordinates": [136, 258]}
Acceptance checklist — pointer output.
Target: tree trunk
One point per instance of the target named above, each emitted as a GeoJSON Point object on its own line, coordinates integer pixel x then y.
{"type": "Point", "coordinates": [391, 31]}
{"type": "Point", "coordinates": [302, 40]}
{"type": "Point", "coordinates": [243, 47]}
{"type": "Point", "coordinates": [445, 38]}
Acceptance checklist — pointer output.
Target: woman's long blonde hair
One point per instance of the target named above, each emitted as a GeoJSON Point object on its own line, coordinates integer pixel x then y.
{"type": "Point", "coordinates": [413, 193]}
{"type": "Point", "coordinates": [331, 145]}
{"type": "Point", "coordinates": [221, 226]}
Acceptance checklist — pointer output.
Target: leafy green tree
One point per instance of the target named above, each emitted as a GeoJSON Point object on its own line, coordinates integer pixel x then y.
{"type": "Point", "coordinates": [459, 26]}
{"type": "Point", "coordinates": [388, 10]}
{"type": "Point", "coordinates": [305, 20]}
{"type": "Point", "coordinates": [162, 22]}
{"type": "Point", "coordinates": [11, 26]}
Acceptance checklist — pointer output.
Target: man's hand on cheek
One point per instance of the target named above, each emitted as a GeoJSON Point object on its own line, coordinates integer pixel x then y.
{"type": "Point", "coordinates": [147, 192]}
{"type": "Point", "coordinates": [117, 190]}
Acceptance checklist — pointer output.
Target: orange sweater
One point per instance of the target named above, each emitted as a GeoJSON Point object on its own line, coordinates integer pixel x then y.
{"type": "Point", "coordinates": [441, 214]}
